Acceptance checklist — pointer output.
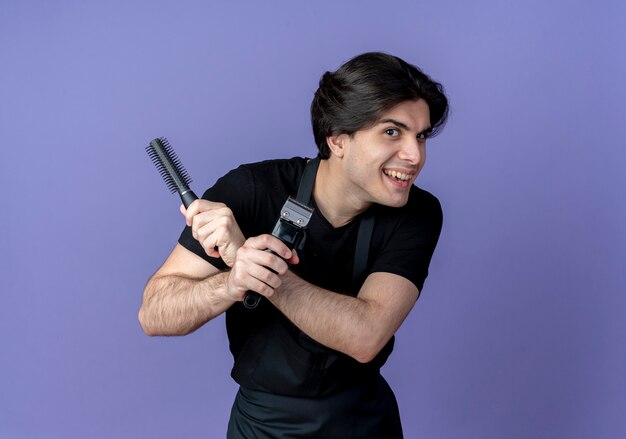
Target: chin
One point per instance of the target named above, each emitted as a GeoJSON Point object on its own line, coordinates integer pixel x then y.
{"type": "Point", "coordinates": [394, 203]}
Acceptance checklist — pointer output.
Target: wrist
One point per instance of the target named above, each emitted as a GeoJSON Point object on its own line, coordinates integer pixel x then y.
{"type": "Point", "coordinates": [289, 282]}
{"type": "Point", "coordinates": [222, 291]}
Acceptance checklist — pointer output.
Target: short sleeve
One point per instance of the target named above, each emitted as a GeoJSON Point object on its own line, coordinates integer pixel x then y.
{"type": "Point", "coordinates": [410, 239]}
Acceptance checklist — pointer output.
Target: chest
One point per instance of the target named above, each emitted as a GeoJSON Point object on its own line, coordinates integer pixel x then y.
{"type": "Point", "coordinates": [327, 257]}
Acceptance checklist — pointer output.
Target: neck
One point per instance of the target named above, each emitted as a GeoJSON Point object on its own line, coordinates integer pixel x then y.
{"type": "Point", "coordinates": [333, 195]}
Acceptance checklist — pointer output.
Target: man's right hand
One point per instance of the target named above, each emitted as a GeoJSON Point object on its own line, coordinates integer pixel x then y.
{"type": "Point", "coordinates": [213, 225]}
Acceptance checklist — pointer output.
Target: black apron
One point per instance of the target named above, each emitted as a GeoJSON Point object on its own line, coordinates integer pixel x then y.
{"type": "Point", "coordinates": [364, 411]}
{"type": "Point", "coordinates": [293, 387]}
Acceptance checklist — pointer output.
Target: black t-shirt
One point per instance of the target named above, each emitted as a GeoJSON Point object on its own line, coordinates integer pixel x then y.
{"type": "Point", "coordinates": [403, 239]}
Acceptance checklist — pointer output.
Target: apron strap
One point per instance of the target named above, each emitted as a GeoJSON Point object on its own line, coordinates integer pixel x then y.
{"type": "Point", "coordinates": [305, 189]}
{"type": "Point", "coordinates": [366, 223]}
{"type": "Point", "coordinates": [363, 239]}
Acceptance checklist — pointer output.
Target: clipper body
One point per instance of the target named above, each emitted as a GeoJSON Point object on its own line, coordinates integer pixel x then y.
{"type": "Point", "coordinates": [291, 230]}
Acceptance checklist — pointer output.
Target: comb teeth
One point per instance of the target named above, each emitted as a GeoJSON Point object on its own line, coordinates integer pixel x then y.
{"type": "Point", "coordinates": [168, 165]}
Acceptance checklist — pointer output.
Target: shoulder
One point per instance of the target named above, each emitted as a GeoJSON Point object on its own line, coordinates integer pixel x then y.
{"type": "Point", "coordinates": [423, 201]}
{"type": "Point", "coordinates": [292, 163]}
{"type": "Point", "coordinates": [274, 171]}
{"type": "Point", "coordinates": [255, 192]}
{"type": "Point", "coordinates": [420, 219]}
{"type": "Point", "coordinates": [268, 172]}
{"type": "Point", "coordinates": [421, 206]}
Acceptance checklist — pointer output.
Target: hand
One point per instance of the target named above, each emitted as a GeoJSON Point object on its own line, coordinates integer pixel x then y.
{"type": "Point", "coordinates": [213, 225]}
{"type": "Point", "coordinates": [256, 269]}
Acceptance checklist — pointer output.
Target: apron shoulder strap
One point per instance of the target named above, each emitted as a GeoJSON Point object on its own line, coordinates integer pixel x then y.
{"type": "Point", "coordinates": [305, 189]}
{"type": "Point", "coordinates": [366, 223]}
{"type": "Point", "coordinates": [363, 239]}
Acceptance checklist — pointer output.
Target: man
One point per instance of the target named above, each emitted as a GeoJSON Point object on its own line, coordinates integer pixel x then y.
{"type": "Point", "coordinates": [308, 358]}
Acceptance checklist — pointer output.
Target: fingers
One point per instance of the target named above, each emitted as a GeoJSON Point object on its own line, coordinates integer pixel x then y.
{"type": "Point", "coordinates": [252, 278]}
{"type": "Point", "coordinates": [259, 264]}
{"type": "Point", "coordinates": [256, 278]}
{"type": "Point", "coordinates": [268, 261]}
{"type": "Point", "coordinates": [213, 230]}
{"type": "Point", "coordinates": [213, 225]}
{"type": "Point", "coordinates": [200, 206]}
{"type": "Point", "coordinates": [269, 242]}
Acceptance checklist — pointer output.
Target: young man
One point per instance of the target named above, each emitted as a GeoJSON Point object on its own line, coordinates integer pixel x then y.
{"type": "Point", "coordinates": [308, 357]}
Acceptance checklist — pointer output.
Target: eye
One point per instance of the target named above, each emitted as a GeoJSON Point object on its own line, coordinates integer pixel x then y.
{"type": "Point", "coordinates": [393, 132]}
{"type": "Point", "coordinates": [423, 135]}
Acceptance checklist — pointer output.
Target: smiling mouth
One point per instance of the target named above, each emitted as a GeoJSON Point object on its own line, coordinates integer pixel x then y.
{"type": "Point", "coordinates": [398, 176]}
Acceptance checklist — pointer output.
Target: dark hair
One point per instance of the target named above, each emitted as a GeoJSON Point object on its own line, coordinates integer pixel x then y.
{"type": "Point", "coordinates": [361, 90]}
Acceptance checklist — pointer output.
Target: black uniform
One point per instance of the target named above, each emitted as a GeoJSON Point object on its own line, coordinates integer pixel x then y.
{"type": "Point", "coordinates": [291, 386]}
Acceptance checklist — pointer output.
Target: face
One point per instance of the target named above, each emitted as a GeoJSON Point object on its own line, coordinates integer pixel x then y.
{"type": "Point", "coordinates": [380, 163]}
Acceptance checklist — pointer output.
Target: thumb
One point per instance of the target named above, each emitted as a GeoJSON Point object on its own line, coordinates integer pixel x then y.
{"type": "Point", "coordinates": [294, 259]}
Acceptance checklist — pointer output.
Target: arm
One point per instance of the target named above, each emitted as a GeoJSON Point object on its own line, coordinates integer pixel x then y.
{"type": "Point", "coordinates": [187, 291]}
{"type": "Point", "coordinates": [357, 326]}
{"type": "Point", "coordinates": [184, 294]}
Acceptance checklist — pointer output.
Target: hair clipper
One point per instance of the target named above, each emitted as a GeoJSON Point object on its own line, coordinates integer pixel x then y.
{"type": "Point", "coordinates": [291, 230]}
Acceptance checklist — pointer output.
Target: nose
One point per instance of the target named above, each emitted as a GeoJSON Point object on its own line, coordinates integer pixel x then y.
{"type": "Point", "coordinates": [412, 151]}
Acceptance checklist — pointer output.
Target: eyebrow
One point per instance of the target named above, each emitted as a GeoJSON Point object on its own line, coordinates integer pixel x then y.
{"type": "Point", "coordinates": [405, 126]}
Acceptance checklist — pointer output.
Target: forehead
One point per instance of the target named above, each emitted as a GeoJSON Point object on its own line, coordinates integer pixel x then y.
{"type": "Point", "coordinates": [413, 114]}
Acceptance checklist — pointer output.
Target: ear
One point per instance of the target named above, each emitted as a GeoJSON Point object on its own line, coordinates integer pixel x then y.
{"type": "Point", "coordinates": [337, 144]}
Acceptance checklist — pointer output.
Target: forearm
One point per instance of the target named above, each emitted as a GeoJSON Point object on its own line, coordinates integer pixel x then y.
{"type": "Point", "coordinates": [343, 323]}
{"type": "Point", "coordinates": [177, 305]}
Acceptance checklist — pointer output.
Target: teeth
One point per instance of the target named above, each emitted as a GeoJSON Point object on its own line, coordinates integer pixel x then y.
{"type": "Point", "coordinates": [398, 175]}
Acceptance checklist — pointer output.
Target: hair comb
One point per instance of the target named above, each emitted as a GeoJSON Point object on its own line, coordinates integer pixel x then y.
{"type": "Point", "coordinates": [171, 169]}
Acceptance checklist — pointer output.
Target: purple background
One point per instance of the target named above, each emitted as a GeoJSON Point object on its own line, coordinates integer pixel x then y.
{"type": "Point", "coordinates": [520, 330]}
